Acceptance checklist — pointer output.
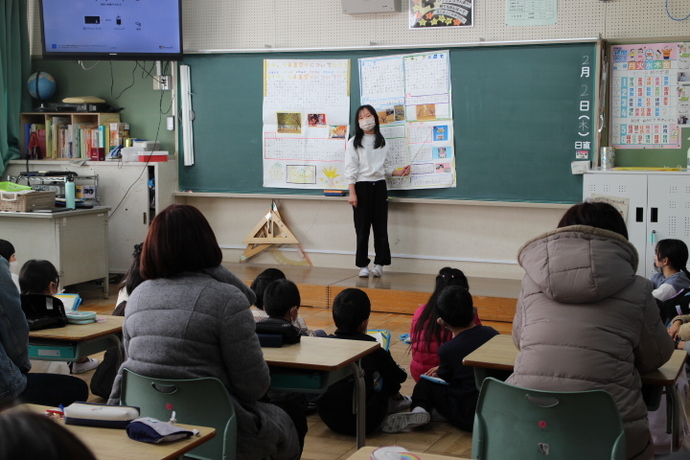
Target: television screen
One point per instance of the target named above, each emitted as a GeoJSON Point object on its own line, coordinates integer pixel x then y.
{"type": "Point", "coordinates": [111, 29]}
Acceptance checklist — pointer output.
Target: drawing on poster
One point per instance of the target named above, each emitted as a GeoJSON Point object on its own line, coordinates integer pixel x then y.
{"type": "Point", "coordinates": [301, 174]}
{"type": "Point", "coordinates": [441, 133]}
{"type": "Point", "coordinates": [337, 132]}
{"type": "Point", "coordinates": [289, 122]}
{"type": "Point", "coordinates": [317, 119]}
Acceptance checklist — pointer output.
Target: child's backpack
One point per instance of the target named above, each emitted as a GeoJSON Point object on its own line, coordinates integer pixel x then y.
{"type": "Point", "coordinates": [676, 305]}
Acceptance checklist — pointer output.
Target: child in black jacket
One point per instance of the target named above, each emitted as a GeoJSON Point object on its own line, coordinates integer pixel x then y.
{"type": "Point", "coordinates": [351, 310]}
{"type": "Point", "coordinates": [281, 302]}
{"type": "Point", "coordinates": [455, 397]}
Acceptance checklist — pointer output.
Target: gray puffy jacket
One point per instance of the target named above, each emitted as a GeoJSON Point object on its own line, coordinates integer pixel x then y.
{"type": "Point", "coordinates": [585, 321]}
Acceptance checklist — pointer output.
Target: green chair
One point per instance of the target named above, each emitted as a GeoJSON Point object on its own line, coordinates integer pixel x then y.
{"type": "Point", "coordinates": [517, 423]}
{"type": "Point", "coordinates": [200, 401]}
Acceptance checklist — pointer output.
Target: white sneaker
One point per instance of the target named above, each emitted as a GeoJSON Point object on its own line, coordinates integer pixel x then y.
{"type": "Point", "coordinates": [364, 272]}
{"type": "Point", "coordinates": [399, 405]}
{"type": "Point", "coordinates": [377, 271]}
{"type": "Point", "coordinates": [395, 423]}
{"type": "Point", "coordinates": [86, 366]}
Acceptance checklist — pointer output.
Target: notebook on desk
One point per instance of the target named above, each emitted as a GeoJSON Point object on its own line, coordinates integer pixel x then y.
{"type": "Point", "coordinates": [70, 301]}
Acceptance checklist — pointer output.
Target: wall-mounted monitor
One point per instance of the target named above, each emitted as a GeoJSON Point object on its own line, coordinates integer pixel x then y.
{"type": "Point", "coordinates": [111, 29]}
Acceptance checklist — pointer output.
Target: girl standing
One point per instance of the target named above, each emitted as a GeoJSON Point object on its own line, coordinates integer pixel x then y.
{"type": "Point", "coordinates": [366, 170]}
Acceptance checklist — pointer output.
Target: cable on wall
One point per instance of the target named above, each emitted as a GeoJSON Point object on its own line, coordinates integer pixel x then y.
{"type": "Point", "coordinates": [675, 19]}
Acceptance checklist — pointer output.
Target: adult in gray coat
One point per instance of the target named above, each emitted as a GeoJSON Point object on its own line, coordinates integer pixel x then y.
{"type": "Point", "coordinates": [191, 318]}
{"type": "Point", "coordinates": [585, 320]}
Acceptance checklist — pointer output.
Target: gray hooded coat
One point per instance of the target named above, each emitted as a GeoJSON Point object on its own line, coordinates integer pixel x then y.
{"type": "Point", "coordinates": [586, 321]}
{"type": "Point", "coordinates": [199, 325]}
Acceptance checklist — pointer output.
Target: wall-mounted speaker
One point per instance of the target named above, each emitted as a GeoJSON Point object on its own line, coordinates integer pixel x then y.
{"type": "Point", "coordinates": [371, 6]}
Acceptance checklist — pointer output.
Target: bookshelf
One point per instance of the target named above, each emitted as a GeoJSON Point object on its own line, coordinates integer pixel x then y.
{"type": "Point", "coordinates": [71, 135]}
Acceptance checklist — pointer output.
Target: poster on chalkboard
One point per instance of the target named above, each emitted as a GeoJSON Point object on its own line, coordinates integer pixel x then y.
{"type": "Point", "coordinates": [306, 111]}
{"type": "Point", "coordinates": [412, 95]}
{"type": "Point", "coordinates": [650, 99]}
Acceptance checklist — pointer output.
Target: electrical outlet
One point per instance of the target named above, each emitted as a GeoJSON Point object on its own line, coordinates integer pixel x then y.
{"type": "Point", "coordinates": [161, 82]}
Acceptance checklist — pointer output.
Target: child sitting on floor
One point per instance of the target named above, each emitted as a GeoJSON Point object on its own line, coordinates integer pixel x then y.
{"type": "Point", "coordinates": [281, 302]}
{"type": "Point", "coordinates": [259, 285]}
{"type": "Point", "coordinates": [455, 398]}
{"type": "Point", "coordinates": [351, 310]}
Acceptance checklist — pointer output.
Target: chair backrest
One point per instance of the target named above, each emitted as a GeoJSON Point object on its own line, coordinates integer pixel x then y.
{"type": "Point", "coordinates": [200, 401]}
{"type": "Point", "coordinates": [517, 423]}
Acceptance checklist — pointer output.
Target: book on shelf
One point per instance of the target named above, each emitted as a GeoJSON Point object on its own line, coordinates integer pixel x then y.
{"type": "Point", "coordinates": [118, 132]}
{"type": "Point", "coordinates": [34, 132]}
{"type": "Point", "coordinates": [54, 145]}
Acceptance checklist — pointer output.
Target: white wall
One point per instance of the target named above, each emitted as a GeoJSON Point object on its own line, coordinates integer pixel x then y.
{"type": "Point", "coordinates": [480, 238]}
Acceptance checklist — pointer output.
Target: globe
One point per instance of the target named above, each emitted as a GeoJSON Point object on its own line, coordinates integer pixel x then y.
{"type": "Point", "coordinates": [41, 86]}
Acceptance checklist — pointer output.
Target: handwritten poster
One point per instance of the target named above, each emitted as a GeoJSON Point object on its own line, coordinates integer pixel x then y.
{"type": "Point", "coordinates": [649, 94]}
{"type": "Point", "coordinates": [306, 111]}
{"type": "Point", "coordinates": [412, 96]}
{"type": "Point", "coordinates": [426, 14]}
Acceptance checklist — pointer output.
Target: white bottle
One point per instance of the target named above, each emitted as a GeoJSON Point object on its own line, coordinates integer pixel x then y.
{"type": "Point", "coordinates": [70, 193]}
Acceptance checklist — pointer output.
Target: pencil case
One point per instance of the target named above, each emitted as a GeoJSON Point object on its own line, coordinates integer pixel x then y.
{"type": "Point", "coordinates": [102, 415]}
{"type": "Point", "coordinates": [80, 317]}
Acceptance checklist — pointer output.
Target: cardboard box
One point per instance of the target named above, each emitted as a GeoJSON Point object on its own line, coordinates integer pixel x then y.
{"type": "Point", "coordinates": [156, 155]}
{"type": "Point", "coordinates": [24, 202]}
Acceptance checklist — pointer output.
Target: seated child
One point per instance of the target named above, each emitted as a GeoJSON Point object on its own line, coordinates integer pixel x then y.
{"type": "Point", "coordinates": [670, 258]}
{"type": "Point", "coordinates": [259, 285]}
{"type": "Point", "coordinates": [41, 277]}
{"type": "Point", "coordinates": [456, 400]}
{"type": "Point", "coordinates": [680, 331]}
{"type": "Point", "coordinates": [7, 251]}
{"type": "Point", "coordinates": [281, 302]}
{"type": "Point", "coordinates": [425, 332]}
{"type": "Point", "coordinates": [351, 310]}
{"type": "Point", "coordinates": [102, 380]}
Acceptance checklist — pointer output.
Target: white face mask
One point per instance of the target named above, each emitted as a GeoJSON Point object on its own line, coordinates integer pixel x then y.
{"type": "Point", "coordinates": [367, 124]}
{"type": "Point", "coordinates": [14, 266]}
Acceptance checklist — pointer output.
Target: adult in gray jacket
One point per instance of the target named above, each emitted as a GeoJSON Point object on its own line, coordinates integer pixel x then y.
{"type": "Point", "coordinates": [585, 320]}
{"type": "Point", "coordinates": [191, 318]}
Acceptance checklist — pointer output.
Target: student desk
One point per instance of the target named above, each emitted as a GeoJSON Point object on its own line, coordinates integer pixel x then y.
{"type": "Point", "coordinates": [76, 241]}
{"type": "Point", "coordinates": [315, 363]}
{"type": "Point", "coordinates": [114, 444]}
{"type": "Point", "coordinates": [500, 353]}
{"type": "Point", "coordinates": [76, 341]}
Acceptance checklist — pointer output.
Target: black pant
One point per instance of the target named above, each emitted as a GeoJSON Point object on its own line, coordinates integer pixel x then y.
{"type": "Point", "coordinates": [372, 212]}
{"type": "Point", "coordinates": [54, 389]}
{"type": "Point", "coordinates": [458, 409]}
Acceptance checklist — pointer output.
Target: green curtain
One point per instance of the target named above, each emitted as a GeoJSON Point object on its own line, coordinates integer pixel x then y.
{"type": "Point", "coordinates": [15, 65]}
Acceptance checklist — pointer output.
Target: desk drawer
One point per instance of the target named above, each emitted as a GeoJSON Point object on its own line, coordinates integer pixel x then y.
{"type": "Point", "coordinates": [53, 352]}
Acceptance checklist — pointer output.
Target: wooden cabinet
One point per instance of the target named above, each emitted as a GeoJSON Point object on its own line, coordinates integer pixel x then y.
{"type": "Point", "coordinates": [124, 188]}
{"type": "Point", "coordinates": [658, 206]}
{"type": "Point", "coordinates": [73, 122]}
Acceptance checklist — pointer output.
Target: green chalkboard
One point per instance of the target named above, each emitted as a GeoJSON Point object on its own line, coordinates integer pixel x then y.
{"type": "Point", "coordinates": [516, 109]}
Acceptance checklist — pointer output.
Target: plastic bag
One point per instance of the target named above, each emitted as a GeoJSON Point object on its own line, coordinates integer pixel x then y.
{"type": "Point", "coordinates": [12, 187]}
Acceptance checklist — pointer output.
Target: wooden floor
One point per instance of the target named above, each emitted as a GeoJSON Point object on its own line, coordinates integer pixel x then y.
{"type": "Point", "coordinates": [321, 443]}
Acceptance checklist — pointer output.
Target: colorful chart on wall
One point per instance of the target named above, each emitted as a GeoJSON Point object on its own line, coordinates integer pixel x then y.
{"type": "Point", "coordinates": [412, 95]}
{"type": "Point", "coordinates": [650, 94]}
{"type": "Point", "coordinates": [425, 14]}
{"type": "Point", "coordinates": [306, 111]}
